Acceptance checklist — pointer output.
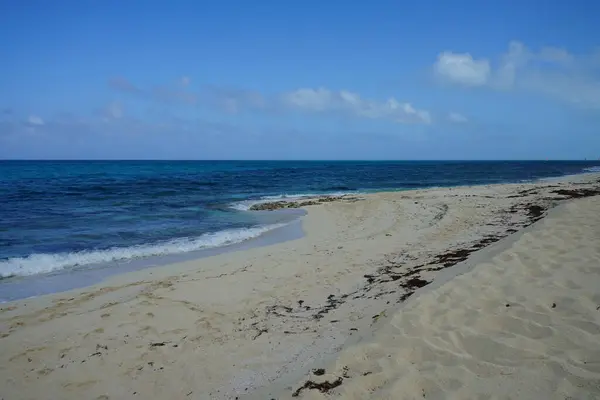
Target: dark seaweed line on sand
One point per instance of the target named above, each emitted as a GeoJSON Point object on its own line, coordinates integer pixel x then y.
{"type": "Point", "coordinates": [411, 280]}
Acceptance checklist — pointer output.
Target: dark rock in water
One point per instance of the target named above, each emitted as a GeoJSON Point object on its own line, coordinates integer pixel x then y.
{"type": "Point", "coordinates": [319, 371]}
{"type": "Point", "coordinates": [277, 205]}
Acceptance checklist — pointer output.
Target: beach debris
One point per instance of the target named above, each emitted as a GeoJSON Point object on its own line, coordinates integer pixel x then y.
{"type": "Point", "coordinates": [323, 387]}
{"type": "Point", "coordinates": [405, 296]}
{"type": "Point", "coordinates": [318, 371]}
{"type": "Point", "coordinates": [577, 193]}
{"type": "Point", "coordinates": [260, 332]}
{"type": "Point", "coordinates": [158, 344]}
{"type": "Point", "coordinates": [377, 316]}
{"type": "Point", "coordinates": [451, 257]}
{"type": "Point", "coordinates": [535, 211]}
{"type": "Point", "coordinates": [415, 283]}
{"type": "Point", "coordinates": [370, 278]}
{"type": "Point", "coordinates": [345, 372]}
{"type": "Point", "coordinates": [332, 304]}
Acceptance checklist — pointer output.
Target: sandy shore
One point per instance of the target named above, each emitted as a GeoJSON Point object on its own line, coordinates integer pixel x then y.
{"type": "Point", "coordinates": [254, 323]}
{"type": "Point", "coordinates": [523, 324]}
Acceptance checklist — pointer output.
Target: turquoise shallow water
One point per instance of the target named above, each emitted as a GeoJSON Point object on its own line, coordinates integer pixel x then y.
{"type": "Point", "coordinates": [56, 216]}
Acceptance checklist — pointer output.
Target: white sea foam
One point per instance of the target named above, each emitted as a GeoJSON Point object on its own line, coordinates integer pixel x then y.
{"type": "Point", "coordinates": [561, 177]}
{"type": "Point", "coordinates": [246, 204]}
{"type": "Point", "coordinates": [592, 169]}
{"type": "Point", "coordinates": [45, 263]}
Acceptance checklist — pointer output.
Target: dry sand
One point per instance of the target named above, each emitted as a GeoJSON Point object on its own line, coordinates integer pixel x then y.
{"type": "Point", "coordinates": [524, 324]}
{"type": "Point", "coordinates": [255, 322]}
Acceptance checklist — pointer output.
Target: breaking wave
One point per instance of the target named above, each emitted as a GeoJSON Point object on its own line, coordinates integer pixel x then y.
{"type": "Point", "coordinates": [45, 263]}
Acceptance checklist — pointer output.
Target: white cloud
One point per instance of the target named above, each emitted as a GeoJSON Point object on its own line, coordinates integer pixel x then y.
{"type": "Point", "coordinates": [578, 90]}
{"type": "Point", "coordinates": [556, 55]}
{"type": "Point", "coordinates": [35, 120]}
{"type": "Point", "coordinates": [233, 101]}
{"type": "Point", "coordinates": [456, 117]}
{"type": "Point", "coordinates": [462, 68]}
{"type": "Point", "coordinates": [314, 99]}
{"type": "Point", "coordinates": [176, 92]}
{"type": "Point", "coordinates": [325, 100]}
{"type": "Point", "coordinates": [551, 71]}
{"type": "Point", "coordinates": [516, 57]}
{"type": "Point", "coordinates": [114, 110]}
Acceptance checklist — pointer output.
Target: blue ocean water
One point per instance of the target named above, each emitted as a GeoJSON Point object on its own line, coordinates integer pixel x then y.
{"type": "Point", "coordinates": [56, 216]}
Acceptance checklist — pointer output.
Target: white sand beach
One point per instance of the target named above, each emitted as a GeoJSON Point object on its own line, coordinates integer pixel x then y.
{"type": "Point", "coordinates": [369, 295]}
{"type": "Point", "coordinates": [524, 324]}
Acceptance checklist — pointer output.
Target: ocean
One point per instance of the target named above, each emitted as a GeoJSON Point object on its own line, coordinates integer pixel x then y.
{"type": "Point", "coordinates": [61, 217]}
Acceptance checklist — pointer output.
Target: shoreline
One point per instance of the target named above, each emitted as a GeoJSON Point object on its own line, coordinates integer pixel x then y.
{"type": "Point", "coordinates": [247, 320]}
{"type": "Point", "coordinates": [79, 277]}
{"type": "Point", "coordinates": [27, 287]}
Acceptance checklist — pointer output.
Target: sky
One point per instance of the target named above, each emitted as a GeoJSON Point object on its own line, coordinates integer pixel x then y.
{"type": "Point", "coordinates": [107, 79]}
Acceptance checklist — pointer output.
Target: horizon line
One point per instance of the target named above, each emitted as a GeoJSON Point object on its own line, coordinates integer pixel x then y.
{"type": "Point", "coordinates": [292, 160]}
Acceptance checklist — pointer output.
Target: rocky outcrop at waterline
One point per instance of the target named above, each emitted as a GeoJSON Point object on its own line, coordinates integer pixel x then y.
{"type": "Point", "coordinates": [277, 205]}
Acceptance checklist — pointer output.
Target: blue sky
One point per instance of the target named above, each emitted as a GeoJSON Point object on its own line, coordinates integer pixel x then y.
{"type": "Point", "coordinates": [299, 80]}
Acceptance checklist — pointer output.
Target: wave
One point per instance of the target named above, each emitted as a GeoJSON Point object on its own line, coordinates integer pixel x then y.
{"type": "Point", "coordinates": [592, 169]}
{"type": "Point", "coordinates": [588, 170]}
{"type": "Point", "coordinates": [246, 204]}
{"type": "Point", "coordinates": [46, 263]}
